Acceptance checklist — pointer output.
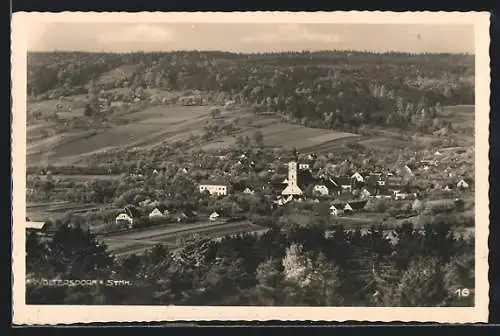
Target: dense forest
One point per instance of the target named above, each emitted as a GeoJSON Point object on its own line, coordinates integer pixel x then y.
{"type": "Point", "coordinates": [331, 89]}
{"type": "Point", "coordinates": [289, 267]}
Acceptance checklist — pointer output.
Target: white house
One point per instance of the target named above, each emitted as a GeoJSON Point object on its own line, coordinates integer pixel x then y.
{"type": "Point", "coordinates": [213, 217]}
{"type": "Point", "coordinates": [124, 218]}
{"type": "Point", "coordinates": [321, 189]}
{"type": "Point", "coordinates": [357, 177]}
{"type": "Point", "coordinates": [400, 195]}
{"type": "Point", "coordinates": [304, 166]}
{"type": "Point", "coordinates": [214, 188]}
{"type": "Point", "coordinates": [155, 213]}
{"type": "Point", "coordinates": [35, 226]}
{"type": "Point", "coordinates": [292, 187]}
{"type": "Point", "coordinates": [347, 207]}
{"type": "Point", "coordinates": [334, 211]}
{"type": "Point", "coordinates": [462, 184]}
{"type": "Point", "coordinates": [248, 191]}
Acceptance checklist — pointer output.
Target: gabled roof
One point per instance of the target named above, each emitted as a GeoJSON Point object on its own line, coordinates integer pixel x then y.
{"type": "Point", "coordinates": [35, 225]}
{"type": "Point", "coordinates": [214, 182]}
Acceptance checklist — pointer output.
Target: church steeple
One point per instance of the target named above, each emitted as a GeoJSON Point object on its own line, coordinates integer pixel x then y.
{"type": "Point", "coordinates": [295, 154]}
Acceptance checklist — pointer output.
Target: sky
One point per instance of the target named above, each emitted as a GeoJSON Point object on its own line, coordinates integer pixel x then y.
{"type": "Point", "coordinates": [251, 37]}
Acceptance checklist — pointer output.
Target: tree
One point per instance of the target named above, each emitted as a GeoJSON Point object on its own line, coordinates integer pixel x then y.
{"type": "Point", "coordinates": [76, 254]}
{"type": "Point", "coordinates": [88, 110]}
{"type": "Point", "coordinates": [459, 276]}
{"type": "Point", "coordinates": [422, 284]}
{"type": "Point", "coordinates": [297, 267]}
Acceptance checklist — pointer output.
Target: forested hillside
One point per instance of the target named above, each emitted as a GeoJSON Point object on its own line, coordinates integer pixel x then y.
{"type": "Point", "coordinates": [321, 89]}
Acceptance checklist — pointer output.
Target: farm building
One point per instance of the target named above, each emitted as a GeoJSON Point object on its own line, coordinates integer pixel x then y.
{"type": "Point", "coordinates": [37, 227]}
{"type": "Point", "coordinates": [219, 188]}
{"type": "Point", "coordinates": [124, 219]}
{"type": "Point", "coordinates": [213, 216]}
{"type": "Point", "coordinates": [321, 189]}
{"type": "Point", "coordinates": [155, 213]}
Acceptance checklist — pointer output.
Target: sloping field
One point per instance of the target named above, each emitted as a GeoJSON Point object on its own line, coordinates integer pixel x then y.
{"type": "Point", "coordinates": [278, 134]}
{"type": "Point", "coordinates": [151, 126]}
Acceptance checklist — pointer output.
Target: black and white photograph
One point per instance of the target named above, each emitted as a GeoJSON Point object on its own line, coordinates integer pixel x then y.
{"type": "Point", "coordinates": [248, 162]}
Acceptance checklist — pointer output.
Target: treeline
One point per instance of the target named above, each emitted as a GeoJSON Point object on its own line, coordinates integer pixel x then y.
{"type": "Point", "coordinates": [294, 267]}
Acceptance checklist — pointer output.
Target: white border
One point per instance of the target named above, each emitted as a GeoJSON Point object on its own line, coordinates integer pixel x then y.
{"type": "Point", "coordinates": [23, 314]}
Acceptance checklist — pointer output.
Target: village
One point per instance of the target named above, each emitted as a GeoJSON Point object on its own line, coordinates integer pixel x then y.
{"type": "Point", "coordinates": [293, 182]}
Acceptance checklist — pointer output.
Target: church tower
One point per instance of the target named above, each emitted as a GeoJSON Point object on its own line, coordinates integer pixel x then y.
{"type": "Point", "coordinates": [292, 188]}
{"type": "Point", "coordinates": [292, 172]}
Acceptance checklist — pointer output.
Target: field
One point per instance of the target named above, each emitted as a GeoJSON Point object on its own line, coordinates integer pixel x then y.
{"type": "Point", "coordinates": [159, 124]}
{"type": "Point", "coordinates": [279, 134]}
{"type": "Point", "coordinates": [170, 123]}
{"type": "Point", "coordinates": [56, 210]}
{"type": "Point", "coordinates": [149, 127]}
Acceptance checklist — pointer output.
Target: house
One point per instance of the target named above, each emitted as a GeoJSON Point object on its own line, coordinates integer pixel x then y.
{"type": "Point", "coordinates": [38, 227]}
{"type": "Point", "coordinates": [344, 183]}
{"type": "Point", "coordinates": [335, 211]}
{"type": "Point", "coordinates": [449, 187]}
{"type": "Point", "coordinates": [400, 195]}
{"type": "Point", "coordinates": [321, 189]}
{"type": "Point", "coordinates": [124, 219]}
{"type": "Point", "coordinates": [462, 184]}
{"type": "Point", "coordinates": [213, 216]}
{"type": "Point", "coordinates": [155, 213]}
{"type": "Point", "coordinates": [218, 188]}
{"type": "Point", "coordinates": [348, 208]}
{"type": "Point", "coordinates": [248, 191]}
{"type": "Point", "coordinates": [304, 165]}
{"type": "Point", "coordinates": [357, 177]}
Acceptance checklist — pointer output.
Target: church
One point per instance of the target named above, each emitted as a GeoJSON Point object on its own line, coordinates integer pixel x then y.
{"type": "Point", "coordinates": [292, 188]}
{"type": "Point", "coordinates": [298, 179]}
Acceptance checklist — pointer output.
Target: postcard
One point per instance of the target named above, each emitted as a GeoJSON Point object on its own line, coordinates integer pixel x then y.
{"type": "Point", "coordinates": [322, 166]}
